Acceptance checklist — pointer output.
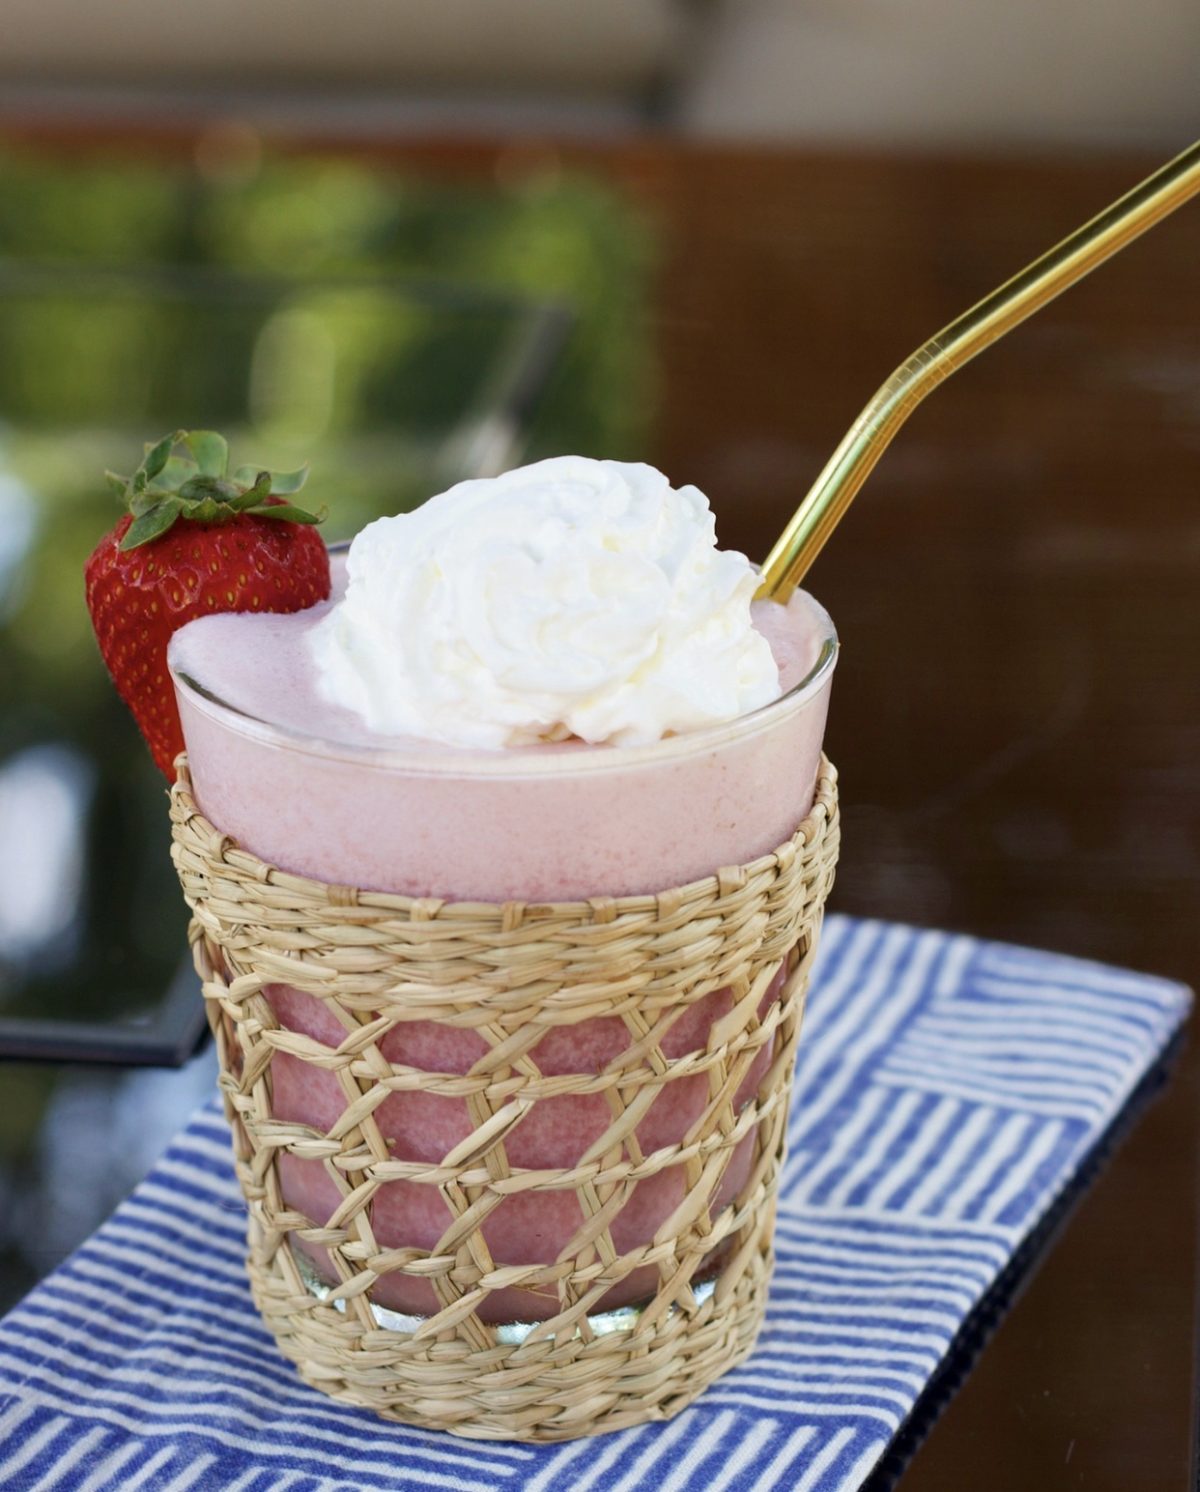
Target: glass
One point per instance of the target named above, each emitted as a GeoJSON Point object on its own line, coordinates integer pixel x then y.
{"type": "Point", "coordinates": [470, 824]}
{"type": "Point", "coordinates": [536, 824]}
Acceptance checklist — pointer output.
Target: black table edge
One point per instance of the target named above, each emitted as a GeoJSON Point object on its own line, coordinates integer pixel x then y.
{"type": "Point", "coordinates": [171, 1037]}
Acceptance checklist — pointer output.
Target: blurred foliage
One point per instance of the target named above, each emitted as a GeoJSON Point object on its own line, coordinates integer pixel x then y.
{"type": "Point", "coordinates": [313, 309]}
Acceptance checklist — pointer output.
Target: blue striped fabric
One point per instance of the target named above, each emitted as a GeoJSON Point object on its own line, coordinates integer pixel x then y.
{"type": "Point", "coordinates": [947, 1091]}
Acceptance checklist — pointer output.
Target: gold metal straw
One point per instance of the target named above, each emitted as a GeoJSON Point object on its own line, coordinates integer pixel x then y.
{"type": "Point", "coordinates": [867, 439]}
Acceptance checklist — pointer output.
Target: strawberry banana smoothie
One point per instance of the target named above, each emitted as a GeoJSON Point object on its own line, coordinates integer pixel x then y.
{"type": "Point", "coordinates": [544, 687]}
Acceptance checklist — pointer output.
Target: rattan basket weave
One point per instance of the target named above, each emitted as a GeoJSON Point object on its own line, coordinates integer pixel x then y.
{"type": "Point", "coordinates": [511, 973]}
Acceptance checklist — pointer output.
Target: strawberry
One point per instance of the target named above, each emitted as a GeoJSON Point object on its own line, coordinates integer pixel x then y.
{"type": "Point", "coordinates": [195, 541]}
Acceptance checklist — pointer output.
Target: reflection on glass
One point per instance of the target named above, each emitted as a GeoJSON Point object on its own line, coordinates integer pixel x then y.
{"type": "Point", "coordinates": [44, 793]}
{"type": "Point", "coordinates": [18, 525]}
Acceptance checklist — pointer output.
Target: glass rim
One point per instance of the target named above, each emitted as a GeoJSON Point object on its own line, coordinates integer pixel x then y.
{"type": "Point", "coordinates": [524, 761]}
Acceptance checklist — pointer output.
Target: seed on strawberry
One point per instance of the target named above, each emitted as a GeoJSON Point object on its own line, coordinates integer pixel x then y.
{"type": "Point", "coordinates": [195, 541]}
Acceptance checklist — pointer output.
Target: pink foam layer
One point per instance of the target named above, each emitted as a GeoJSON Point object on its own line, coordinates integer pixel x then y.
{"type": "Point", "coordinates": [346, 813]}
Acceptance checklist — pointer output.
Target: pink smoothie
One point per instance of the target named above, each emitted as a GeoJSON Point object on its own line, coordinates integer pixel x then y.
{"type": "Point", "coordinates": [307, 787]}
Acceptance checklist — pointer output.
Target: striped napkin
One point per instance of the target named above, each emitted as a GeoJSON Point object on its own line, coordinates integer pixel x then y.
{"type": "Point", "coordinates": [948, 1090]}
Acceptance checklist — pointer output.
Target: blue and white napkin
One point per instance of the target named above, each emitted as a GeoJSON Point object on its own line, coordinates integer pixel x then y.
{"type": "Point", "coordinates": [948, 1090]}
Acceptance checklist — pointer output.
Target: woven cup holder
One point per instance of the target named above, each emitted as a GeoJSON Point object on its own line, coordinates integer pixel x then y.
{"type": "Point", "coordinates": [510, 1169]}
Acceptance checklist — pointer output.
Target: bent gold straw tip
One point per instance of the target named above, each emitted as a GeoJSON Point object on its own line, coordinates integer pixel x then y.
{"type": "Point", "coordinates": [933, 362]}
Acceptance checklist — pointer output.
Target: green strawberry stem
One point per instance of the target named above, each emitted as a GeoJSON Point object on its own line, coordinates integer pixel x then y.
{"type": "Point", "coordinates": [196, 487]}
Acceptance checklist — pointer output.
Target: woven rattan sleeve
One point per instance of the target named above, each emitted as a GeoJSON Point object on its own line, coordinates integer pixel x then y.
{"type": "Point", "coordinates": [510, 973]}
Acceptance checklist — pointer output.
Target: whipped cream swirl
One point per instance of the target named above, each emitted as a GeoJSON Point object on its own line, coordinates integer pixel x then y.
{"type": "Point", "coordinates": [568, 598]}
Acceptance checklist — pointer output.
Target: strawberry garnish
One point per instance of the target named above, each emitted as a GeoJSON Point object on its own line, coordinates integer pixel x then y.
{"type": "Point", "coordinates": [195, 541]}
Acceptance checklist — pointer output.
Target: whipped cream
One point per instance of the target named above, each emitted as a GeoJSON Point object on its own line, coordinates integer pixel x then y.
{"type": "Point", "coordinates": [571, 597]}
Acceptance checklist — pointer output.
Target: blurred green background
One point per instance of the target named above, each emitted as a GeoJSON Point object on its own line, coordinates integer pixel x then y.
{"type": "Point", "coordinates": [398, 333]}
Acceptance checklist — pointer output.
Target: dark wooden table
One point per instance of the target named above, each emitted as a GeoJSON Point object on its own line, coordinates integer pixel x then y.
{"type": "Point", "coordinates": [1016, 715]}
{"type": "Point", "coordinates": [1016, 711]}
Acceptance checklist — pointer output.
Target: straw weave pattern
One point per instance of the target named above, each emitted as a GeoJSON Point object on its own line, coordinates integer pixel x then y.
{"type": "Point", "coordinates": [511, 973]}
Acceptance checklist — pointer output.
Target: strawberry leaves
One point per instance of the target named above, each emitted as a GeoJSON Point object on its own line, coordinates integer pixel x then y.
{"type": "Point", "coordinates": [209, 450]}
{"type": "Point", "coordinates": [150, 524]}
{"type": "Point", "coordinates": [155, 459]}
{"type": "Point", "coordinates": [287, 512]}
{"type": "Point", "coordinates": [285, 483]}
{"type": "Point", "coordinates": [169, 486]}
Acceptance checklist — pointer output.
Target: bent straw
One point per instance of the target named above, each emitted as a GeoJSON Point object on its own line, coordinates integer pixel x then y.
{"type": "Point", "coordinates": [867, 439]}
